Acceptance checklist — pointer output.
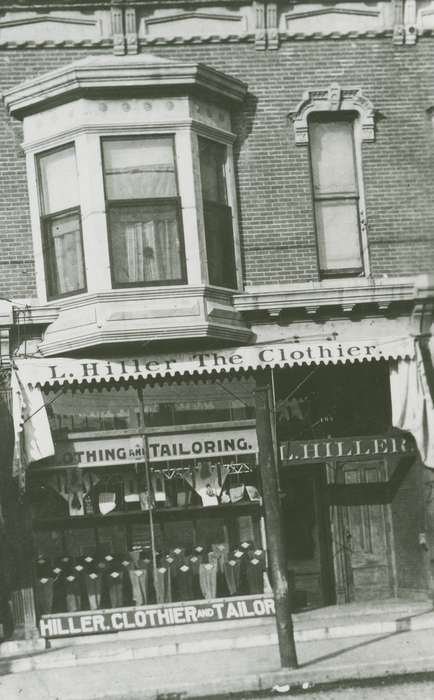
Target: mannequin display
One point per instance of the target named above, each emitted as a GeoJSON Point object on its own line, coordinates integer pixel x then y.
{"type": "Point", "coordinates": [257, 554]}
{"type": "Point", "coordinates": [163, 584]}
{"type": "Point", "coordinates": [72, 592]}
{"type": "Point", "coordinates": [44, 594]}
{"type": "Point", "coordinates": [221, 552]}
{"type": "Point", "coordinates": [255, 580]}
{"type": "Point", "coordinates": [208, 580]}
{"type": "Point", "coordinates": [115, 584]}
{"type": "Point", "coordinates": [232, 575]}
{"type": "Point", "coordinates": [93, 585]}
{"type": "Point", "coordinates": [139, 579]}
{"type": "Point", "coordinates": [184, 582]}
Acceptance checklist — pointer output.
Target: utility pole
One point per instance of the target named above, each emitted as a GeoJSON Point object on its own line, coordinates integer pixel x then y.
{"type": "Point", "coordinates": [273, 521]}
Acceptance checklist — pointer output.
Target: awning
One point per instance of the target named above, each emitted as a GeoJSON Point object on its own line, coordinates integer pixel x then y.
{"type": "Point", "coordinates": [40, 372]}
{"type": "Point", "coordinates": [412, 404]}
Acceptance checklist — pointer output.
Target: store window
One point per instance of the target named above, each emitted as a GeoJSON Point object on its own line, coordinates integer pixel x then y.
{"type": "Point", "coordinates": [112, 532]}
{"type": "Point", "coordinates": [217, 214]}
{"type": "Point", "coordinates": [61, 222]}
{"type": "Point", "coordinates": [335, 193]}
{"type": "Point", "coordinates": [143, 211]}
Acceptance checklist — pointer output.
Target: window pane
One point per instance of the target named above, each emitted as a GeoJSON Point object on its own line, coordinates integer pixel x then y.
{"type": "Point", "coordinates": [333, 167]}
{"type": "Point", "coordinates": [338, 235]}
{"type": "Point", "coordinates": [220, 245]}
{"type": "Point", "coordinates": [65, 255]}
{"type": "Point", "coordinates": [59, 181]}
{"type": "Point", "coordinates": [145, 243]}
{"type": "Point", "coordinates": [139, 168]}
{"type": "Point", "coordinates": [212, 171]}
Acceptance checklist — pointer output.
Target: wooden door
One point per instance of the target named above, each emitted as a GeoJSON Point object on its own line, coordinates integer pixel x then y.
{"type": "Point", "coordinates": [364, 536]}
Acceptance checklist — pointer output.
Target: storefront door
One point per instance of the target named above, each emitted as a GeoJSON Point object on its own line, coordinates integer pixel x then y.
{"type": "Point", "coordinates": [307, 534]}
{"type": "Point", "coordinates": [362, 546]}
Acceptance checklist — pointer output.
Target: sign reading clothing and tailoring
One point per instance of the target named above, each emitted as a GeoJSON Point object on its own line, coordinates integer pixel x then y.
{"type": "Point", "coordinates": [148, 617]}
{"type": "Point", "coordinates": [117, 450]}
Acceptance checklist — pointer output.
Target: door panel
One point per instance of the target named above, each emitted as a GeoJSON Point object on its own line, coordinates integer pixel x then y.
{"type": "Point", "coordinates": [365, 532]}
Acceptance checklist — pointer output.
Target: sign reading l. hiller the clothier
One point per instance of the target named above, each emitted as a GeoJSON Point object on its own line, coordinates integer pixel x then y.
{"type": "Point", "coordinates": [347, 448]}
{"type": "Point", "coordinates": [148, 617]}
{"type": "Point", "coordinates": [117, 450]}
{"type": "Point", "coordinates": [51, 370]}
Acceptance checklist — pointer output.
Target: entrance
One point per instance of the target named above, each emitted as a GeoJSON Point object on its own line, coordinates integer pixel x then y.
{"type": "Point", "coordinates": [307, 534]}
{"type": "Point", "coordinates": [362, 546]}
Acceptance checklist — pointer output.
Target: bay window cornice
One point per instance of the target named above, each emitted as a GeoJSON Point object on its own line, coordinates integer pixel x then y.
{"type": "Point", "coordinates": [111, 76]}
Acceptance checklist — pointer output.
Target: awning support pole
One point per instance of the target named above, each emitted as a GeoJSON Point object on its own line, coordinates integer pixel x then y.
{"type": "Point", "coordinates": [273, 521]}
{"type": "Point", "coordinates": [148, 485]}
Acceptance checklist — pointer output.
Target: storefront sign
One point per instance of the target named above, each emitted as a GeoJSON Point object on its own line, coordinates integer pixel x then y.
{"type": "Point", "coordinates": [148, 617]}
{"type": "Point", "coordinates": [161, 448]}
{"type": "Point", "coordinates": [41, 371]}
{"type": "Point", "coordinates": [348, 448]}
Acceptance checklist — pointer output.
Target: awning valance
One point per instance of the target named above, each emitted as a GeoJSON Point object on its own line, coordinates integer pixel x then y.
{"type": "Point", "coordinates": [42, 372]}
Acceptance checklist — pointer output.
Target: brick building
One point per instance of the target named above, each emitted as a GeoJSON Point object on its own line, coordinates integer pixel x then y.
{"type": "Point", "coordinates": [204, 206]}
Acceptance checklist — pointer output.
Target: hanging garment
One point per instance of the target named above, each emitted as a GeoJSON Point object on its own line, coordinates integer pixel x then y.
{"type": "Point", "coordinates": [44, 595]}
{"type": "Point", "coordinates": [131, 491]}
{"type": "Point", "coordinates": [93, 584]}
{"type": "Point", "coordinates": [255, 580]}
{"type": "Point", "coordinates": [221, 553]}
{"type": "Point", "coordinates": [208, 580]}
{"type": "Point", "coordinates": [115, 588]}
{"type": "Point", "coordinates": [258, 554]}
{"type": "Point", "coordinates": [194, 562]}
{"type": "Point", "coordinates": [139, 585]}
{"type": "Point", "coordinates": [236, 493]}
{"type": "Point", "coordinates": [106, 502]}
{"type": "Point", "coordinates": [163, 585]}
{"type": "Point", "coordinates": [232, 575]}
{"type": "Point", "coordinates": [206, 483]}
{"type": "Point", "coordinates": [184, 581]}
{"type": "Point", "coordinates": [72, 592]}
{"type": "Point", "coordinates": [159, 487]}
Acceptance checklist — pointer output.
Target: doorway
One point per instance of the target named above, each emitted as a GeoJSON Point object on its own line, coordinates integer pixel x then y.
{"type": "Point", "coordinates": [307, 536]}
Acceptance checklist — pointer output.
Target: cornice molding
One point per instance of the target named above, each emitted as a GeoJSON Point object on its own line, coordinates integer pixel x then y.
{"type": "Point", "coordinates": [112, 75]}
{"type": "Point", "coordinates": [313, 297]}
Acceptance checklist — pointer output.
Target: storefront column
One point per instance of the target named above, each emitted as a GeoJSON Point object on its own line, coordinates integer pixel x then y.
{"type": "Point", "coordinates": [273, 522]}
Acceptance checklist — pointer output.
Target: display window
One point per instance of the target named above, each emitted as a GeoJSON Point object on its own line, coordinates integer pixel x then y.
{"type": "Point", "coordinates": [179, 521]}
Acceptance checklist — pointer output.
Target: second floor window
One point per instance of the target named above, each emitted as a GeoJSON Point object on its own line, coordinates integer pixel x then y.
{"type": "Point", "coordinates": [61, 223]}
{"type": "Point", "coordinates": [217, 214]}
{"type": "Point", "coordinates": [143, 210]}
{"type": "Point", "coordinates": [336, 194]}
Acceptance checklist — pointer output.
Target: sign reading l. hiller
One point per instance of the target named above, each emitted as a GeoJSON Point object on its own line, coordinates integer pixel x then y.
{"type": "Point", "coordinates": [147, 617]}
{"type": "Point", "coordinates": [346, 448]}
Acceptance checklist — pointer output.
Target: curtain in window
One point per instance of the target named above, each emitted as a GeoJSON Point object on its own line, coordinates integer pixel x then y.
{"type": "Point", "coordinates": [152, 251]}
{"type": "Point", "coordinates": [67, 254]}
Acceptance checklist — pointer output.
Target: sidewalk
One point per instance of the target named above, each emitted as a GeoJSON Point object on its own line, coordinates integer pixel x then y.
{"type": "Point", "coordinates": [194, 665]}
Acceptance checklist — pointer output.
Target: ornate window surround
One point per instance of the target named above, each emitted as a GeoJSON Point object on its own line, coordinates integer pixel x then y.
{"type": "Point", "coordinates": [334, 99]}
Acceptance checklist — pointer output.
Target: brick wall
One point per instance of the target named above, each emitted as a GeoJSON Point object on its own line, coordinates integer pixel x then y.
{"type": "Point", "coordinates": [277, 228]}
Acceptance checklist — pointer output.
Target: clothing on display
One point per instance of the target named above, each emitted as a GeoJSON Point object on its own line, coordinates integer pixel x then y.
{"type": "Point", "coordinates": [115, 582]}
{"type": "Point", "coordinates": [255, 580]}
{"type": "Point", "coordinates": [44, 595]}
{"type": "Point", "coordinates": [163, 585]}
{"type": "Point", "coordinates": [208, 580]}
{"type": "Point", "coordinates": [72, 593]}
{"type": "Point", "coordinates": [232, 575]}
{"type": "Point", "coordinates": [93, 585]}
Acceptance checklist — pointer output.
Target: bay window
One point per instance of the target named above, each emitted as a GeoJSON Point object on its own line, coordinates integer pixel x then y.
{"type": "Point", "coordinates": [335, 193]}
{"type": "Point", "coordinates": [61, 222]}
{"type": "Point", "coordinates": [143, 211]}
{"type": "Point", "coordinates": [217, 214]}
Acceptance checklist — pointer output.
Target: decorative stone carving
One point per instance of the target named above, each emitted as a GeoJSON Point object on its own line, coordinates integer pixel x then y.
{"type": "Point", "coordinates": [118, 31]}
{"type": "Point", "coordinates": [260, 35]}
{"type": "Point", "coordinates": [398, 21]}
{"type": "Point", "coordinates": [333, 99]}
{"type": "Point", "coordinates": [272, 28]}
{"type": "Point", "coordinates": [131, 30]}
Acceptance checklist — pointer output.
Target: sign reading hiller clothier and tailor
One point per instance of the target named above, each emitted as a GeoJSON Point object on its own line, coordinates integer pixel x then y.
{"type": "Point", "coordinates": [148, 617]}
{"type": "Point", "coordinates": [49, 371]}
{"type": "Point", "coordinates": [347, 448]}
{"type": "Point", "coordinates": [161, 448]}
